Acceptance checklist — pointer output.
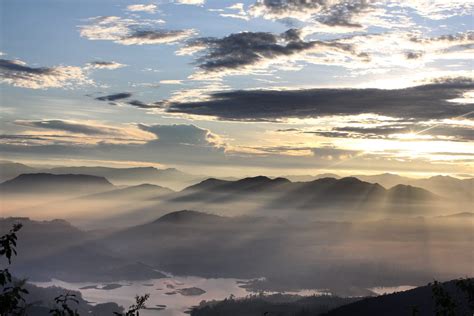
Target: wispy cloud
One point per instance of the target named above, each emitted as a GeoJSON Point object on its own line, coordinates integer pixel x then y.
{"type": "Point", "coordinates": [148, 8]}
{"type": "Point", "coordinates": [131, 32]}
{"type": "Point", "coordinates": [17, 73]}
{"type": "Point", "coordinates": [81, 132]}
{"type": "Point", "coordinates": [111, 65]}
{"type": "Point", "coordinates": [191, 2]}
{"type": "Point", "coordinates": [115, 96]}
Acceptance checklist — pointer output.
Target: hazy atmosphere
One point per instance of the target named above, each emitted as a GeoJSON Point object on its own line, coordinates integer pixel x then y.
{"type": "Point", "coordinates": [261, 157]}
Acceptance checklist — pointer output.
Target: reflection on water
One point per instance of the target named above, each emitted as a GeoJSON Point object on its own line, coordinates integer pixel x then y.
{"type": "Point", "coordinates": [173, 296]}
{"type": "Point", "coordinates": [178, 294]}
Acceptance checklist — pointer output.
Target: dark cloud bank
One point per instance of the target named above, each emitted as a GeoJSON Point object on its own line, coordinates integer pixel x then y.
{"type": "Point", "coordinates": [430, 101]}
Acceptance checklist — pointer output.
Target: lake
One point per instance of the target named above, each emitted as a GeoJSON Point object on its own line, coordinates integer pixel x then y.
{"type": "Point", "coordinates": [175, 294]}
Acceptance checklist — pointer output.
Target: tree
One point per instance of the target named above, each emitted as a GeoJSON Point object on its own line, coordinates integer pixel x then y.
{"type": "Point", "coordinates": [63, 308]}
{"type": "Point", "coordinates": [134, 310]}
{"type": "Point", "coordinates": [11, 298]}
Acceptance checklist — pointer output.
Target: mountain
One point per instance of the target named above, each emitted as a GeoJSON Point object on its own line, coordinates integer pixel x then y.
{"type": "Point", "coordinates": [219, 191]}
{"type": "Point", "coordinates": [403, 194]}
{"type": "Point", "coordinates": [10, 170]}
{"type": "Point", "coordinates": [463, 215]}
{"type": "Point", "coordinates": [387, 180]}
{"type": "Point", "coordinates": [196, 243]}
{"type": "Point", "coordinates": [45, 183]}
{"type": "Point", "coordinates": [167, 177]}
{"type": "Point", "coordinates": [346, 257]}
{"type": "Point", "coordinates": [249, 184]}
{"type": "Point", "coordinates": [188, 217]}
{"type": "Point", "coordinates": [308, 178]}
{"type": "Point", "coordinates": [419, 301]}
{"type": "Point", "coordinates": [445, 186]}
{"type": "Point", "coordinates": [344, 193]}
{"type": "Point", "coordinates": [139, 192]}
{"type": "Point", "coordinates": [56, 249]}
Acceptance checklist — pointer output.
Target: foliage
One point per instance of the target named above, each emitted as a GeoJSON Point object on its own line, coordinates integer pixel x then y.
{"type": "Point", "coordinates": [445, 305]}
{"type": "Point", "coordinates": [11, 297]}
{"type": "Point", "coordinates": [63, 308]}
{"type": "Point", "coordinates": [467, 286]}
{"type": "Point", "coordinates": [134, 310]}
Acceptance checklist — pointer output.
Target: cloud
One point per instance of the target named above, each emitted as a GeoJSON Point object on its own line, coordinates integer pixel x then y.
{"type": "Point", "coordinates": [143, 105]}
{"type": "Point", "coordinates": [235, 11]}
{"type": "Point", "coordinates": [143, 37]}
{"type": "Point", "coordinates": [332, 13]}
{"type": "Point", "coordinates": [180, 134]}
{"type": "Point", "coordinates": [171, 81]}
{"type": "Point", "coordinates": [122, 96]}
{"type": "Point", "coordinates": [342, 15]}
{"type": "Point", "coordinates": [191, 2]}
{"type": "Point", "coordinates": [249, 51]}
{"type": "Point", "coordinates": [149, 8]}
{"type": "Point", "coordinates": [437, 10]}
{"type": "Point", "coordinates": [408, 131]}
{"type": "Point", "coordinates": [421, 102]}
{"type": "Point", "coordinates": [172, 144]}
{"type": "Point", "coordinates": [17, 73]}
{"type": "Point", "coordinates": [131, 32]}
{"type": "Point", "coordinates": [81, 132]}
{"type": "Point", "coordinates": [110, 65]}
{"type": "Point", "coordinates": [115, 96]}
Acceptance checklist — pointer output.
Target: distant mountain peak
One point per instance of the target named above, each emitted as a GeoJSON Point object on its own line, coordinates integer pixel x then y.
{"type": "Point", "coordinates": [52, 183]}
{"type": "Point", "coordinates": [187, 216]}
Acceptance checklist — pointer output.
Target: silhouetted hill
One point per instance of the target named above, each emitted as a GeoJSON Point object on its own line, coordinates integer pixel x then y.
{"type": "Point", "coordinates": [308, 178]}
{"type": "Point", "coordinates": [408, 194]}
{"type": "Point", "coordinates": [466, 215]}
{"type": "Point", "coordinates": [208, 184]}
{"type": "Point", "coordinates": [259, 184]}
{"type": "Point", "coordinates": [45, 183]}
{"type": "Point", "coordinates": [188, 217]}
{"type": "Point", "coordinates": [387, 180]}
{"type": "Point", "coordinates": [10, 170]}
{"type": "Point", "coordinates": [168, 177]}
{"type": "Point", "coordinates": [403, 303]}
{"type": "Point", "coordinates": [347, 193]}
{"type": "Point", "coordinates": [419, 301]}
{"type": "Point", "coordinates": [138, 192]}
{"type": "Point", "coordinates": [56, 249]}
{"type": "Point", "coordinates": [445, 186]}
{"type": "Point", "coordinates": [277, 304]}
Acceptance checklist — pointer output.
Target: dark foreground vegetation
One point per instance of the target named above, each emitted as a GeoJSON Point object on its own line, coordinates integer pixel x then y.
{"type": "Point", "coordinates": [453, 298]}
{"type": "Point", "coordinates": [270, 305]}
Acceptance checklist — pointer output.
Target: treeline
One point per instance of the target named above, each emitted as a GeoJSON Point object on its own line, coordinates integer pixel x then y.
{"type": "Point", "coordinates": [272, 305]}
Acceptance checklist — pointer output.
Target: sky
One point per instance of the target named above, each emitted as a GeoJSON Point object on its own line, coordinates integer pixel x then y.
{"type": "Point", "coordinates": [229, 87]}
